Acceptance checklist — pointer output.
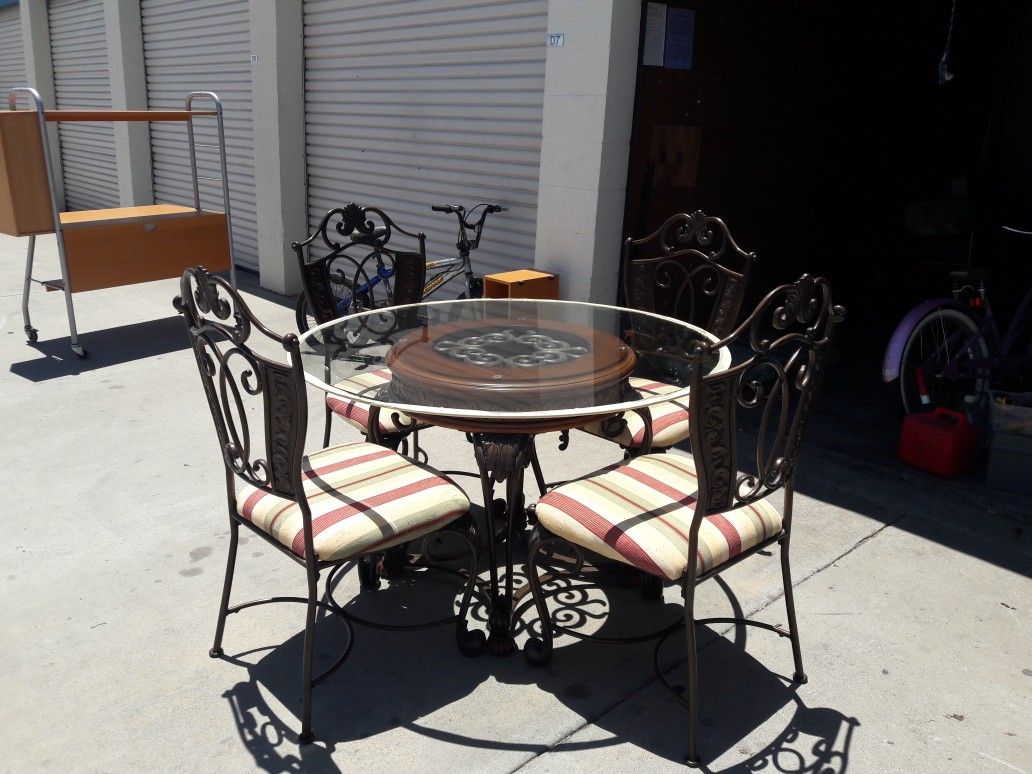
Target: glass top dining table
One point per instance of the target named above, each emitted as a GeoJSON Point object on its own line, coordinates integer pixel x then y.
{"type": "Point", "coordinates": [502, 371]}
{"type": "Point", "coordinates": [502, 365]}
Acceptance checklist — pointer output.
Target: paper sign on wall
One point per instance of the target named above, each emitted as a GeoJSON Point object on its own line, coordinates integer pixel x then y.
{"type": "Point", "coordinates": [655, 35]}
{"type": "Point", "coordinates": [680, 38]}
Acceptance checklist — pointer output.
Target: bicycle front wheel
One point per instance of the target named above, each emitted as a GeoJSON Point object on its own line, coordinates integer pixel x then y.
{"type": "Point", "coordinates": [944, 359]}
{"type": "Point", "coordinates": [342, 291]}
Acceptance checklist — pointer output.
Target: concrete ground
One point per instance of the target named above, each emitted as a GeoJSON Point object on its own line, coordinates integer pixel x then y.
{"type": "Point", "coordinates": [913, 593]}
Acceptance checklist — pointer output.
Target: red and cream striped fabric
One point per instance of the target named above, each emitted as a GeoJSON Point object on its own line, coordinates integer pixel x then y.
{"type": "Point", "coordinates": [363, 497]}
{"type": "Point", "coordinates": [640, 513]}
{"type": "Point", "coordinates": [357, 414]}
{"type": "Point", "coordinates": [669, 420]}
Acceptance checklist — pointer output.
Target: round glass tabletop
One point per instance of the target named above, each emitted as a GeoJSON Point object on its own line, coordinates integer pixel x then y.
{"type": "Point", "coordinates": [504, 360]}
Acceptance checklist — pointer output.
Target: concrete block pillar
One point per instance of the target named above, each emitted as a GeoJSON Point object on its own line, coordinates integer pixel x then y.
{"type": "Point", "coordinates": [39, 69]}
{"type": "Point", "coordinates": [129, 92]}
{"type": "Point", "coordinates": [277, 82]}
{"type": "Point", "coordinates": [588, 109]}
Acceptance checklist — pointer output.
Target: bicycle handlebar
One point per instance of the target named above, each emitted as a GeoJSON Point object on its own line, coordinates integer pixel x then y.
{"type": "Point", "coordinates": [464, 244]}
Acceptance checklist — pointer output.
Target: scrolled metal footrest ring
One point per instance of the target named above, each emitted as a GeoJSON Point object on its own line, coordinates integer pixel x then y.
{"type": "Point", "coordinates": [470, 587]}
{"type": "Point", "coordinates": [302, 600]}
{"type": "Point", "coordinates": [677, 690]}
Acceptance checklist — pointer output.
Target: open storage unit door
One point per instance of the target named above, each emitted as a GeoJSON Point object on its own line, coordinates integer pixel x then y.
{"type": "Point", "coordinates": [12, 50]}
{"type": "Point", "coordinates": [410, 103]}
{"type": "Point", "coordinates": [82, 80]}
{"type": "Point", "coordinates": [722, 109]}
{"type": "Point", "coordinates": [203, 45]}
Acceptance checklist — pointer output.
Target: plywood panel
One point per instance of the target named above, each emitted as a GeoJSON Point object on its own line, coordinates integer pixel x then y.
{"type": "Point", "coordinates": [25, 206]}
{"type": "Point", "coordinates": [113, 254]}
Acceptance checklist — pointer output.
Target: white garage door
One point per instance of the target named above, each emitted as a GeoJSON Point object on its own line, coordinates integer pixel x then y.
{"type": "Point", "coordinates": [409, 103]}
{"type": "Point", "coordinates": [12, 52]}
{"type": "Point", "coordinates": [82, 80]}
{"type": "Point", "coordinates": [203, 45]}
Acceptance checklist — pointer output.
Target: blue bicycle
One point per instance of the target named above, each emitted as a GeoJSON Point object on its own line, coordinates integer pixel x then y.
{"type": "Point", "coordinates": [371, 288]}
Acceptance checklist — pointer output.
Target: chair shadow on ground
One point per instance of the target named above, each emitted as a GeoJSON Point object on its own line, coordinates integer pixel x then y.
{"type": "Point", "coordinates": [397, 680]}
{"type": "Point", "coordinates": [107, 347]}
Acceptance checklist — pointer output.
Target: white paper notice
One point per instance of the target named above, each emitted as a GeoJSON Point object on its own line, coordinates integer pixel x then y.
{"type": "Point", "coordinates": [655, 35]}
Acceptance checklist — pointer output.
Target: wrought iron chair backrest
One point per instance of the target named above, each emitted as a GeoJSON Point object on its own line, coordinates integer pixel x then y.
{"type": "Point", "coordinates": [689, 268]}
{"type": "Point", "coordinates": [788, 336]}
{"type": "Point", "coordinates": [356, 240]}
{"type": "Point", "coordinates": [235, 377]}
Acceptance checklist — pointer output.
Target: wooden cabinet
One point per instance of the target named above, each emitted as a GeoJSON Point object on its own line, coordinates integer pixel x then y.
{"type": "Point", "coordinates": [107, 248]}
{"type": "Point", "coordinates": [25, 207]}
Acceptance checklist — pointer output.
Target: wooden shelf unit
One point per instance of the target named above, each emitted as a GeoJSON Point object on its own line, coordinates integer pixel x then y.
{"type": "Point", "coordinates": [109, 247]}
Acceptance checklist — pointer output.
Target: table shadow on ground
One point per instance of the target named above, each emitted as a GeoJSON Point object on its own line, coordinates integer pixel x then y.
{"type": "Point", "coordinates": [397, 680]}
{"type": "Point", "coordinates": [108, 347]}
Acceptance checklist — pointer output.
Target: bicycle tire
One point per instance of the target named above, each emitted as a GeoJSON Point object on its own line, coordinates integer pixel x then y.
{"type": "Point", "coordinates": [302, 312]}
{"type": "Point", "coordinates": [928, 348]}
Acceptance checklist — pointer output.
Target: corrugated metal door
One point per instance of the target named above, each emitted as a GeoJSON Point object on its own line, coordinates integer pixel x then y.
{"type": "Point", "coordinates": [12, 51]}
{"type": "Point", "coordinates": [413, 102]}
{"type": "Point", "coordinates": [82, 80]}
{"type": "Point", "coordinates": [203, 45]}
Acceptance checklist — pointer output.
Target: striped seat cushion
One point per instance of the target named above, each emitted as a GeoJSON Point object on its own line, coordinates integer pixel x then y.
{"type": "Point", "coordinates": [362, 496]}
{"type": "Point", "coordinates": [669, 420]}
{"type": "Point", "coordinates": [356, 413]}
{"type": "Point", "coordinates": [640, 513]}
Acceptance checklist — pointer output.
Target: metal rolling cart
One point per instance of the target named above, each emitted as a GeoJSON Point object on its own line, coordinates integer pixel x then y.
{"type": "Point", "coordinates": [110, 247]}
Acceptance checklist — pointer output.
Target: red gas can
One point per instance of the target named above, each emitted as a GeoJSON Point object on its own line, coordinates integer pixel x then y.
{"type": "Point", "coordinates": [942, 442]}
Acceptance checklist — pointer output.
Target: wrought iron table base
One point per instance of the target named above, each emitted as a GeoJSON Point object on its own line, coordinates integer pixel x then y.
{"type": "Point", "coordinates": [501, 458]}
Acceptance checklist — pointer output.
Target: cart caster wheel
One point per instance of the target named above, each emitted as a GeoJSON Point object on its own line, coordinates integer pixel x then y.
{"type": "Point", "coordinates": [471, 643]}
{"type": "Point", "coordinates": [306, 738]}
{"type": "Point", "coordinates": [536, 652]}
{"type": "Point", "coordinates": [81, 352]}
{"type": "Point", "coordinates": [32, 335]}
{"type": "Point", "coordinates": [215, 652]}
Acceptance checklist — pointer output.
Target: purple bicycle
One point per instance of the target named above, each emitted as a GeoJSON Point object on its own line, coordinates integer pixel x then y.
{"type": "Point", "coordinates": [946, 349]}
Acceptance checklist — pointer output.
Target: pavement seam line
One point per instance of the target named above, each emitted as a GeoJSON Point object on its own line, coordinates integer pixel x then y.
{"type": "Point", "coordinates": [648, 683]}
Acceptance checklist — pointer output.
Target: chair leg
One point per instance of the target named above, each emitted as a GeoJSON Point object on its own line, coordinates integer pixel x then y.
{"type": "Point", "coordinates": [538, 650]}
{"type": "Point", "coordinates": [471, 642]}
{"type": "Point", "coordinates": [307, 736]}
{"type": "Point", "coordinates": [786, 577]}
{"type": "Point", "coordinates": [692, 757]}
{"type": "Point", "coordinates": [234, 534]}
{"type": "Point", "coordinates": [793, 627]}
{"type": "Point", "coordinates": [326, 431]}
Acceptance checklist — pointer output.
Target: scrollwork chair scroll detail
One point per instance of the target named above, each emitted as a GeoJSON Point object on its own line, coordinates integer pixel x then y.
{"type": "Point", "coordinates": [789, 335]}
{"type": "Point", "coordinates": [350, 255]}
{"type": "Point", "coordinates": [220, 325]}
{"type": "Point", "coordinates": [690, 268]}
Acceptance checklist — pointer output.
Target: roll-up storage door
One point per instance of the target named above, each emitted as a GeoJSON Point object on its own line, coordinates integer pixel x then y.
{"type": "Point", "coordinates": [409, 103]}
{"type": "Point", "coordinates": [82, 80]}
{"type": "Point", "coordinates": [12, 51]}
{"type": "Point", "coordinates": [203, 45]}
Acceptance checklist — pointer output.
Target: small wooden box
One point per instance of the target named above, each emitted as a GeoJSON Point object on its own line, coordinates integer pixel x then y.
{"type": "Point", "coordinates": [522, 283]}
{"type": "Point", "coordinates": [25, 206]}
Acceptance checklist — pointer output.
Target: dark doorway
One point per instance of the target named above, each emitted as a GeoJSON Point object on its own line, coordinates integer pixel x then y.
{"type": "Point", "coordinates": [821, 134]}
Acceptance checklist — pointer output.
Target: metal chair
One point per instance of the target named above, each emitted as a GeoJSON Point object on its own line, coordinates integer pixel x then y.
{"type": "Point", "coordinates": [324, 510]}
{"type": "Point", "coordinates": [357, 269]}
{"type": "Point", "coordinates": [687, 519]}
{"type": "Point", "coordinates": [690, 268]}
